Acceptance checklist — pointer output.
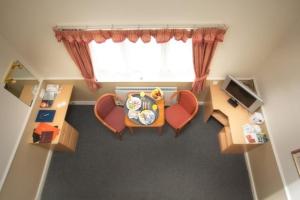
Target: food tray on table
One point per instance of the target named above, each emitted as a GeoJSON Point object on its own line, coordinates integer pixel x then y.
{"type": "Point", "coordinates": [139, 109]}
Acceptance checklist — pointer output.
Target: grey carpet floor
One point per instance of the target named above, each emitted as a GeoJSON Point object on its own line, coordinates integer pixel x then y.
{"type": "Point", "coordinates": [145, 166]}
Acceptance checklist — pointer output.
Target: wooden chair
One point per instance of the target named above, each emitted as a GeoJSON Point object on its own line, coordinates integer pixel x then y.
{"type": "Point", "coordinates": [109, 114]}
{"type": "Point", "coordinates": [180, 114]}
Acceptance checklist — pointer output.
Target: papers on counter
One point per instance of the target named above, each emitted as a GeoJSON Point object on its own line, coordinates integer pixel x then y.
{"type": "Point", "coordinates": [49, 95]}
{"type": "Point", "coordinates": [253, 134]}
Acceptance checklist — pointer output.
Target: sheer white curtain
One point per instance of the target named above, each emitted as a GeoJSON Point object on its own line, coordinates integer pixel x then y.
{"type": "Point", "coordinates": [127, 61]}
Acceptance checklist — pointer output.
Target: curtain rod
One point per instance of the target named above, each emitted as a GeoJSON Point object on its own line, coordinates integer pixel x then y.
{"type": "Point", "coordinates": [134, 27]}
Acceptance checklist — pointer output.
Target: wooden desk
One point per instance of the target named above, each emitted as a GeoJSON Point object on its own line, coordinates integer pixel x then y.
{"type": "Point", "coordinates": [68, 136]}
{"type": "Point", "coordinates": [160, 121]}
{"type": "Point", "coordinates": [231, 137]}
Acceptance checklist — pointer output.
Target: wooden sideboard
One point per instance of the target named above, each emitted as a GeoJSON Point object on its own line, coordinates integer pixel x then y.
{"type": "Point", "coordinates": [67, 138]}
{"type": "Point", "coordinates": [231, 137]}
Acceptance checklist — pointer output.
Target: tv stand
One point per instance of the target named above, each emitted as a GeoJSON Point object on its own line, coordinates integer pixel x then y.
{"type": "Point", "coordinates": [232, 102]}
{"type": "Point", "coordinates": [231, 137]}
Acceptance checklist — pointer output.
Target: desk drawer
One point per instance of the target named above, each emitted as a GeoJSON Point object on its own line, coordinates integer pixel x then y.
{"type": "Point", "coordinates": [68, 138]}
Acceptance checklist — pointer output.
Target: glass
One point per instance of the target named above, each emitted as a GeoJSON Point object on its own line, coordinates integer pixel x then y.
{"type": "Point", "coordinates": [21, 83]}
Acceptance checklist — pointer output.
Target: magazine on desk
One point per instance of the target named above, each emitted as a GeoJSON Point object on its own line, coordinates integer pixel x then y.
{"type": "Point", "coordinates": [253, 134]}
{"type": "Point", "coordinates": [44, 133]}
{"type": "Point", "coordinates": [49, 95]}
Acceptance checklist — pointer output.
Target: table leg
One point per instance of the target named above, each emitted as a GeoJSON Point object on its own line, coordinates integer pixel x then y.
{"type": "Point", "coordinates": [130, 130]}
{"type": "Point", "coordinates": [120, 137]}
{"type": "Point", "coordinates": [160, 131]}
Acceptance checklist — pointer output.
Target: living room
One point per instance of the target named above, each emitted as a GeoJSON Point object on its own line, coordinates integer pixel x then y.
{"type": "Point", "coordinates": [260, 44]}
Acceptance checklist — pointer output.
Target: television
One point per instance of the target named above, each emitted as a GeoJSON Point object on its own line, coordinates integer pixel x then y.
{"type": "Point", "coordinates": [241, 94]}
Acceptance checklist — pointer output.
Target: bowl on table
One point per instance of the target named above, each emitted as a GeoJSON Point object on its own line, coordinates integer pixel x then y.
{"type": "Point", "coordinates": [157, 94]}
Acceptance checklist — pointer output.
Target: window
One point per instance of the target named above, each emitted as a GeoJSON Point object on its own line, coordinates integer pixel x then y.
{"type": "Point", "coordinates": [149, 62]}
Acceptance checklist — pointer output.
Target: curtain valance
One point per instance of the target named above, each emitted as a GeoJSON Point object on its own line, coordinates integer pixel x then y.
{"type": "Point", "coordinates": [161, 35]}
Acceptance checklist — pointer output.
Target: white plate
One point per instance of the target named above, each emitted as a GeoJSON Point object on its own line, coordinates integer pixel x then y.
{"type": "Point", "coordinates": [133, 114]}
{"type": "Point", "coordinates": [133, 103]}
{"type": "Point", "coordinates": [147, 117]}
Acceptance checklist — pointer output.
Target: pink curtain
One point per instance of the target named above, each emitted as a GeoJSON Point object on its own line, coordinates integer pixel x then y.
{"type": "Point", "coordinates": [76, 42]}
{"type": "Point", "coordinates": [80, 54]}
{"type": "Point", "coordinates": [204, 41]}
{"type": "Point", "coordinates": [204, 44]}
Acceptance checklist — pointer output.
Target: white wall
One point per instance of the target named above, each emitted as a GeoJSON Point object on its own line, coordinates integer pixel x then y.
{"type": "Point", "coordinates": [254, 27]}
{"type": "Point", "coordinates": [13, 113]}
{"type": "Point", "coordinates": [278, 81]}
{"type": "Point", "coordinates": [22, 73]}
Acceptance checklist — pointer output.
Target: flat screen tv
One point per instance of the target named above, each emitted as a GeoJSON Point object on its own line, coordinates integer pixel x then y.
{"type": "Point", "coordinates": [241, 94]}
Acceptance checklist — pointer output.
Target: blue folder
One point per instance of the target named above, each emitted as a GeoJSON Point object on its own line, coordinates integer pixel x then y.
{"type": "Point", "coordinates": [45, 116]}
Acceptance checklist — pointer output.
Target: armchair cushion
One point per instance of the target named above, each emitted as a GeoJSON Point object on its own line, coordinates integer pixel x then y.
{"type": "Point", "coordinates": [177, 116]}
{"type": "Point", "coordinates": [105, 106]}
{"type": "Point", "coordinates": [109, 114]}
{"type": "Point", "coordinates": [184, 111]}
{"type": "Point", "coordinates": [188, 101]}
{"type": "Point", "coordinates": [115, 118]}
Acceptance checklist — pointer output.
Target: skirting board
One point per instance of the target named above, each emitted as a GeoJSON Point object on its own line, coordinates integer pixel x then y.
{"type": "Point", "coordinates": [38, 195]}
{"type": "Point", "coordinates": [82, 102]}
{"type": "Point", "coordinates": [249, 169]}
{"type": "Point", "coordinates": [201, 103]}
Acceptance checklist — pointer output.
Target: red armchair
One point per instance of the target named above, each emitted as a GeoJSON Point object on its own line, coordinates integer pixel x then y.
{"type": "Point", "coordinates": [109, 114]}
{"type": "Point", "coordinates": [178, 115]}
